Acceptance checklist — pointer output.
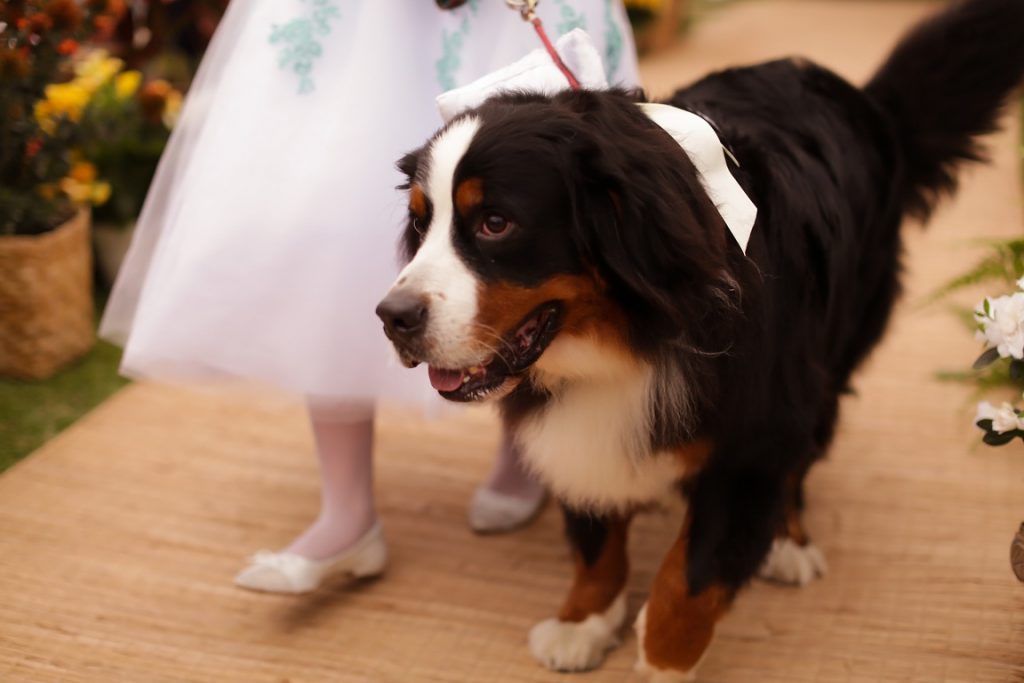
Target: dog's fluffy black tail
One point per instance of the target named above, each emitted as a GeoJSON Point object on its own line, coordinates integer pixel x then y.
{"type": "Point", "coordinates": [944, 85]}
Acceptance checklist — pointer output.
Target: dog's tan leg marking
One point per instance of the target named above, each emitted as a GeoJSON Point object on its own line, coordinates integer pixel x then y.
{"type": "Point", "coordinates": [588, 624]}
{"type": "Point", "coordinates": [675, 628]}
{"type": "Point", "coordinates": [595, 588]}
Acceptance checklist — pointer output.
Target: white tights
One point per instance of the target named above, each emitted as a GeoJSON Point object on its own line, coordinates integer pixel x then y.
{"type": "Point", "coordinates": [344, 445]}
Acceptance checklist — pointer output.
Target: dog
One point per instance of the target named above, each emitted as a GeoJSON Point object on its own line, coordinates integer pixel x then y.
{"type": "Point", "coordinates": [565, 259]}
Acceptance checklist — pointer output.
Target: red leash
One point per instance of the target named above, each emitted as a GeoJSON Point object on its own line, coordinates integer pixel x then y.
{"type": "Point", "coordinates": [527, 9]}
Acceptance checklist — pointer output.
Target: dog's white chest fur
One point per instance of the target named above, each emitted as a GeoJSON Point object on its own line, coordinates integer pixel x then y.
{"type": "Point", "coordinates": [591, 445]}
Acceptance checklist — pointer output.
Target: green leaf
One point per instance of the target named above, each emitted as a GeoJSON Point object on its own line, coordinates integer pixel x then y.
{"type": "Point", "coordinates": [987, 358]}
{"type": "Point", "coordinates": [1017, 370]}
{"type": "Point", "coordinates": [1004, 264]}
{"type": "Point", "coordinates": [996, 439]}
{"type": "Point", "coordinates": [987, 308]}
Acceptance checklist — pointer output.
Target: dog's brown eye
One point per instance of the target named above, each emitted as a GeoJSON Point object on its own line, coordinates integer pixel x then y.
{"type": "Point", "coordinates": [494, 226]}
{"type": "Point", "coordinates": [417, 224]}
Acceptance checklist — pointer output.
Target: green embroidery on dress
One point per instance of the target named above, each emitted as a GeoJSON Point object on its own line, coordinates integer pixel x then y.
{"type": "Point", "coordinates": [571, 19]}
{"type": "Point", "coordinates": [451, 47]}
{"type": "Point", "coordinates": [300, 42]}
{"type": "Point", "coordinates": [613, 41]}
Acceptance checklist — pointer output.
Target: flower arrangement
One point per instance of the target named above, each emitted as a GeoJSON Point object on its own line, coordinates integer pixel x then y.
{"type": "Point", "coordinates": [126, 124]}
{"type": "Point", "coordinates": [1001, 326]}
{"type": "Point", "coordinates": [999, 323]}
{"type": "Point", "coordinates": [43, 174]}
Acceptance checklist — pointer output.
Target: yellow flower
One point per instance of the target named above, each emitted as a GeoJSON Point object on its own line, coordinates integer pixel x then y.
{"type": "Point", "coordinates": [126, 84]}
{"type": "Point", "coordinates": [63, 98]}
{"type": "Point", "coordinates": [100, 193]}
{"type": "Point", "coordinates": [76, 191]}
{"type": "Point", "coordinates": [81, 186]}
{"type": "Point", "coordinates": [96, 69]}
{"type": "Point", "coordinates": [44, 116]}
{"type": "Point", "coordinates": [172, 108]}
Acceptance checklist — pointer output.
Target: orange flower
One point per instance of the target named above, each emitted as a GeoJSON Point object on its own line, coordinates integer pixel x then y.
{"type": "Point", "coordinates": [105, 26]}
{"type": "Point", "coordinates": [66, 14]}
{"type": "Point", "coordinates": [81, 185]}
{"type": "Point", "coordinates": [83, 172]}
{"type": "Point", "coordinates": [39, 23]}
{"type": "Point", "coordinates": [153, 99]}
{"type": "Point", "coordinates": [117, 8]}
{"type": "Point", "coordinates": [68, 46]}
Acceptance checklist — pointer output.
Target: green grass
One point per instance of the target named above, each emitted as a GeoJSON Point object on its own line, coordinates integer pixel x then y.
{"type": "Point", "coordinates": [33, 412]}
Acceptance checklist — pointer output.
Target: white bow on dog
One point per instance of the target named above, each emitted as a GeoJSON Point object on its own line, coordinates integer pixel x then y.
{"type": "Point", "coordinates": [701, 143]}
{"type": "Point", "coordinates": [536, 73]}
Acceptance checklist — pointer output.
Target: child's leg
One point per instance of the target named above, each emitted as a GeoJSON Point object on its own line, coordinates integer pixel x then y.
{"type": "Point", "coordinates": [344, 538]}
{"type": "Point", "coordinates": [344, 445]}
{"type": "Point", "coordinates": [509, 474]}
{"type": "Point", "coordinates": [510, 497]}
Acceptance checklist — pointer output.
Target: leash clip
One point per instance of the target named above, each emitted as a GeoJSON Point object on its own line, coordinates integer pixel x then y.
{"type": "Point", "coordinates": [526, 8]}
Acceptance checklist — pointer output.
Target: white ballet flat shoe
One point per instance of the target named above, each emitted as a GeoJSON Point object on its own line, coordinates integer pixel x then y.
{"type": "Point", "coordinates": [272, 572]}
{"type": "Point", "coordinates": [491, 512]}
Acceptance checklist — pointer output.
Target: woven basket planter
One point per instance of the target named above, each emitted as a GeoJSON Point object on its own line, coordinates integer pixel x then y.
{"type": "Point", "coordinates": [46, 305]}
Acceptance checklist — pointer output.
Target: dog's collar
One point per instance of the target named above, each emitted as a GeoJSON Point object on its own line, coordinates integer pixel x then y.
{"type": "Point", "coordinates": [698, 138]}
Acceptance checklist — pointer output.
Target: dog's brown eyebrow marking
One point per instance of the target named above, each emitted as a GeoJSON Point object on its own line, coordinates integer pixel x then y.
{"type": "Point", "coordinates": [469, 195]}
{"type": "Point", "coordinates": [418, 201]}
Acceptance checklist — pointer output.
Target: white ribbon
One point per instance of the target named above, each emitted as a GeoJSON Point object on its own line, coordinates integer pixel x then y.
{"type": "Point", "coordinates": [533, 73]}
{"type": "Point", "coordinates": [700, 142]}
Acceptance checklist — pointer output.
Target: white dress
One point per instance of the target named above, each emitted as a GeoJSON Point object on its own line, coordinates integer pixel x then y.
{"type": "Point", "coordinates": [271, 229]}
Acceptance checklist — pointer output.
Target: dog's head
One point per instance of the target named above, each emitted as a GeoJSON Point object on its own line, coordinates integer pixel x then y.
{"type": "Point", "coordinates": [555, 237]}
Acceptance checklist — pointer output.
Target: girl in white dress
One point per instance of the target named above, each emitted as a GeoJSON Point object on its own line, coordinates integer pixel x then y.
{"type": "Point", "coordinates": [271, 228]}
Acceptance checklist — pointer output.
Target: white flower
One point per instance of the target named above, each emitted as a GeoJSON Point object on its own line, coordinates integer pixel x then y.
{"type": "Point", "coordinates": [1002, 324]}
{"type": "Point", "coordinates": [1020, 283]}
{"type": "Point", "coordinates": [1004, 418]}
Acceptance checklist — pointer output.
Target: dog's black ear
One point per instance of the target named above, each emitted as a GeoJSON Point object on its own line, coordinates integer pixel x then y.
{"type": "Point", "coordinates": [409, 165]}
{"type": "Point", "coordinates": [644, 220]}
{"type": "Point", "coordinates": [410, 239]}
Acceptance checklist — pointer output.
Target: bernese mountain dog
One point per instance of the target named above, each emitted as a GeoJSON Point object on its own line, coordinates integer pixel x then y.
{"type": "Point", "coordinates": [565, 259]}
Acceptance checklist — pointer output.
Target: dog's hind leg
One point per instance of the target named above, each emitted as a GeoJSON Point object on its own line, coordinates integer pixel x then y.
{"type": "Point", "coordinates": [793, 558]}
{"type": "Point", "coordinates": [588, 624]}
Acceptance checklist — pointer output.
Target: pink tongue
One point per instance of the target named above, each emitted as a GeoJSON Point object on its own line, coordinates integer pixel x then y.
{"type": "Point", "coordinates": [445, 380]}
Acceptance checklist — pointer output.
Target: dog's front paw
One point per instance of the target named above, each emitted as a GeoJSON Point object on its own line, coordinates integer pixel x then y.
{"type": "Point", "coordinates": [790, 562]}
{"type": "Point", "coordinates": [578, 646]}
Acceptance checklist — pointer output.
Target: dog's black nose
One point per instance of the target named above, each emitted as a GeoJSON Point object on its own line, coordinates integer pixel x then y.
{"type": "Point", "coordinates": [404, 314]}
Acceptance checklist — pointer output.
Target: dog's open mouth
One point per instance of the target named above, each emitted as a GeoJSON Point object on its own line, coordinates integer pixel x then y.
{"type": "Point", "coordinates": [518, 352]}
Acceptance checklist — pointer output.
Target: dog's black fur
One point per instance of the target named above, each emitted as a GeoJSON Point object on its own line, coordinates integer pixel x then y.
{"type": "Point", "coordinates": [833, 170]}
{"type": "Point", "coordinates": [765, 342]}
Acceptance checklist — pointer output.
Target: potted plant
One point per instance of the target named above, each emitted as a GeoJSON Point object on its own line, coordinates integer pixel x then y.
{"type": "Point", "coordinates": [127, 124]}
{"type": "Point", "coordinates": [46, 185]}
{"type": "Point", "coordinates": [999, 370]}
